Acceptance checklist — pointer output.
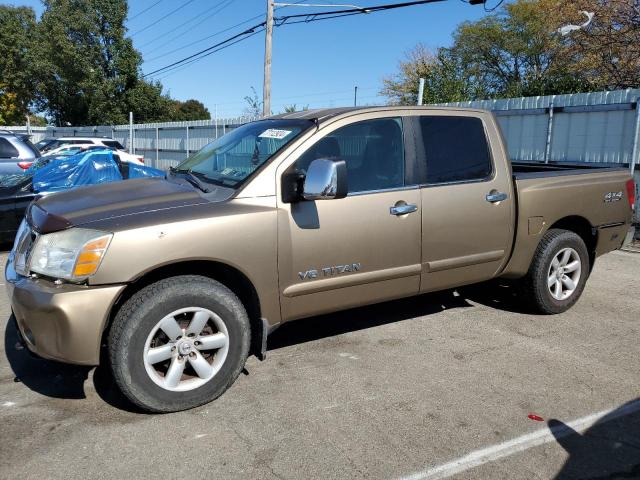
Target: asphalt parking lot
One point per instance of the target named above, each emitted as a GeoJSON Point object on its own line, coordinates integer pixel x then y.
{"type": "Point", "coordinates": [433, 387]}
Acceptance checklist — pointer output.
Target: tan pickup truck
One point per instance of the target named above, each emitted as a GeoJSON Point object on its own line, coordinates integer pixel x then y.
{"type": "Point", "coordinates": [178, 280]}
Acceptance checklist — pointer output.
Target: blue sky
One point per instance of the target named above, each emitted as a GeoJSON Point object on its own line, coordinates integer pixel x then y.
{"type": "Point", "coordinates": [316, 64]}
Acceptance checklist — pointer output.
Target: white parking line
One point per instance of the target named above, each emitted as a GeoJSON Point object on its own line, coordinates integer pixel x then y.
{"type": "Point", "coordinates": [520, 444]}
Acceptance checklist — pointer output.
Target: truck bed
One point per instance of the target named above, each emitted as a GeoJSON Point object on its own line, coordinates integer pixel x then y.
{"type": "Point", "coordinates": [523, 170]}
{"type": "Point", "coordinates": [583, 197]}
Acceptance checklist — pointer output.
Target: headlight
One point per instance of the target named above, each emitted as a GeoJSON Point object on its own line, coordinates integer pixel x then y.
{"type": "Point", "coordinates": [73, 254]}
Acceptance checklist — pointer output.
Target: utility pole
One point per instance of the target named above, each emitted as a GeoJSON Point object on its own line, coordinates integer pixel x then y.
{"type": "Point", "coordinates": [266, 90]}
{"type": "Point", "coordinates": [420, 91]}
{"type": "Point", "coordinates": [131, 132]}
{"type": "Point", "coordinates": [355, 96]}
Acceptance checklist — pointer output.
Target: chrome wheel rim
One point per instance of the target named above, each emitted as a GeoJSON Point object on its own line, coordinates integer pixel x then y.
{"type": "Point", "coordinates": [186, 349]}
{"type": "Point", "coordinates": [564, 274]}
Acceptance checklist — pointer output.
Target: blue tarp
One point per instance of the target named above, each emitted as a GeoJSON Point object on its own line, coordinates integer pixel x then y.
{"type": "Point", "coordinates": [138, 171]}
{"type": "Point", "coordinates": [86, 168]}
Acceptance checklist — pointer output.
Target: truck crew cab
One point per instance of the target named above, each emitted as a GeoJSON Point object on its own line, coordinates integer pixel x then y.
{"type": "Point", "coordinates": [180, 278]}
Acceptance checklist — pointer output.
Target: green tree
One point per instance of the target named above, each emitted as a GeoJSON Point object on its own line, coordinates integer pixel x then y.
{"type": "Point", "coordinates": [294, 108]}
{"type": "Point", "coordinates": [37, 120]}
{"type": "Point", "coordinates": [190, 110]}
{"type": "Point", "coordinates": [148, 103]}
{"type": "Point", "coordinates": [89, 70]}
{"type": "Point", "coordinates": [445, 79]}
{"type": "Point", "coordinates": [516, 51]}
{"type": "Point", "coordinates": [9, 109]}
{"type": "Point", "coordinates": [254, 104]}
{"type": "Point", "coordinates": [18, 88]}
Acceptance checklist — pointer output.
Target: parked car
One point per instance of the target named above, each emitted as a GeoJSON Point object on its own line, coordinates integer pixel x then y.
{"type": "Point", "coordinates": [50, 144]}
{"type": "Point", "coordinates": [294, 216]}
{"type": "Point", "coordinates": [67, 150]}
{"type": "Point", "coordinates": [54, 173]}
{"type": "Point", "coordinates": [43, 145]}
{"type": "Point", "coordinates": [17, 153]}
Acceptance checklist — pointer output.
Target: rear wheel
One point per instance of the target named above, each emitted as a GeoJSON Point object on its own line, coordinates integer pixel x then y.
{"type": "Point", "coordinates": [558, 272]}
{"type": "Point", "coordinates": [178, 343]}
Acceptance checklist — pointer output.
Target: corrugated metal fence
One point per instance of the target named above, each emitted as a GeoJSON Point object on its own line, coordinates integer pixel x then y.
{"type": "Point", "coordinates": [584, 127]}
{"type": "Point", "coordinates": [162, 144]}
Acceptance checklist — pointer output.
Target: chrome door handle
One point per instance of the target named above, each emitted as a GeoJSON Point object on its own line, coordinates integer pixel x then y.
{"type": "Point", "coordinates": [403, 209]}
{"type": "Point", "coordinates": [496, 197]}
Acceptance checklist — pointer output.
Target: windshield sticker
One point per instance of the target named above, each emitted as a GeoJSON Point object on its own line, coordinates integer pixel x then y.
{"type": "Point", "coordinates": [275, 133]}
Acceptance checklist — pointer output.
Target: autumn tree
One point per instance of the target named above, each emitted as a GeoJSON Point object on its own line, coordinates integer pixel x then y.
{"type": "Point", "coordinates": [606, 53]}
{"type": "Point", "coordinates": [518, 51]}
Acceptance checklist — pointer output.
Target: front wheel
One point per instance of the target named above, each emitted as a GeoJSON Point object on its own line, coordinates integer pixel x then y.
{"type": "Point", "coordinates": [558, 272]}
{"type": "Point", "coordinates": [178, 343]}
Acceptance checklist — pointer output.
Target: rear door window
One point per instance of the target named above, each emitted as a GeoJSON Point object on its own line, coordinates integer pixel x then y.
{"type": "Point", "coordinates": [455, 149]}
{"type": "Point", "coordinates": [7, 150]}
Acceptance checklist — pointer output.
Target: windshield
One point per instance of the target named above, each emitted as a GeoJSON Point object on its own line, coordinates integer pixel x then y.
{"type": "Point", "coordinates": [69, 150]}
{"type": "Point", "coordinates": [49, 145]}
{"type": "Point", "coordinates": [229, 160]}
{"type": "Point", "coordinates": [44, 143]}
{"type": "Point", "coordinates": [113, 144]}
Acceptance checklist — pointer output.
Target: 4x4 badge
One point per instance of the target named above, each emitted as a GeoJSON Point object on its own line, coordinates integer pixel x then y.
{"type": "Point", "coordinates": [613, 197]}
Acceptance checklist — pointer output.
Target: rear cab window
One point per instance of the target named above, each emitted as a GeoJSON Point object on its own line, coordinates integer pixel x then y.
{"type": "Point", "coordinates": [452, 149]}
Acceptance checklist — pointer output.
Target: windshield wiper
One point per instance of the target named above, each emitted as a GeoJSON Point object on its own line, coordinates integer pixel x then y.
{"type": "Point", "coordinates": [192, 179]}
{"type": "Point", "coordinates": [196, 182]}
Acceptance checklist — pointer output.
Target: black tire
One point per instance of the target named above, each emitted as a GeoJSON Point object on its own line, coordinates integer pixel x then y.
{"type": "Point", "coordinates": [534, 285]}
{"type": "Point", "coordinates": [140, 314]}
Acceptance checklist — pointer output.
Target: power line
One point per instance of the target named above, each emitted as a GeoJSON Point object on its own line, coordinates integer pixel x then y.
{"type": "Point", "coordinates": [200, 40]}
{"type": "Point", "coordinates": [183, 66]}
{"type": "Point", "coordinates": [205, 38]}
{"type": "Point", "coordinates": [310, 17]}
{"type": "Point", "coordinates": [217, 7]}
{"type": "Point", "coordinates": [248, 32]}
{"type": "Point", "coordinates": [163, 17]}
{"type": "Point", "coordinates": [495, 7]}
{"type": "Point", "coordinates": [145, 10]}
{"type": "Point", "coordinates": [298, 18]}
{"type": "Point", "coordinates": [484, 5]}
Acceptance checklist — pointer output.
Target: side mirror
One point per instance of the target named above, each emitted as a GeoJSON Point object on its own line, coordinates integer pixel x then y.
{"type": "Point", "coordinates": [325, 180]}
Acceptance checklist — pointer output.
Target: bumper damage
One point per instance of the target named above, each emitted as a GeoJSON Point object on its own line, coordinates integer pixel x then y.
{"type": "Point", "coordinates": [60, 322]}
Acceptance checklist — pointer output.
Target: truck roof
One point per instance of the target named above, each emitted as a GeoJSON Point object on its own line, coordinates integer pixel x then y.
{"type": "Point", "coordinates": [324, 114]}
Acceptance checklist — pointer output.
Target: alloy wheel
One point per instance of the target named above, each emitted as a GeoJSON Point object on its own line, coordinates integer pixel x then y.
{"type": "Point", "coordinates": [564, 274]}
{"type": "Point", "coordinates": [186, 349]}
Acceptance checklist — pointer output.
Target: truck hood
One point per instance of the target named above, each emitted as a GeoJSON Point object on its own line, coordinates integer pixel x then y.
{"type": "Point", "coordinates": [110, 200]}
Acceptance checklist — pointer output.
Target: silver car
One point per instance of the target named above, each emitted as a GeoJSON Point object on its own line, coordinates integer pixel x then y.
{"type": "Point", "coordinates": [17, 153]}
